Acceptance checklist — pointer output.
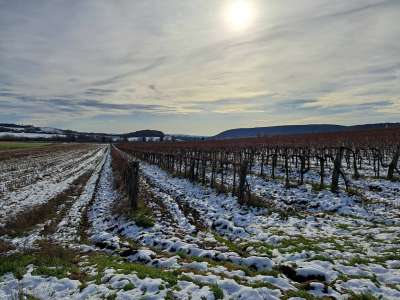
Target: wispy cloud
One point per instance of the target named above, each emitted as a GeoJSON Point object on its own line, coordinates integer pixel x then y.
{"type": "Point", "coordinates": [77, 108]}
{"type": "Point", "coordinates": [176, 62]}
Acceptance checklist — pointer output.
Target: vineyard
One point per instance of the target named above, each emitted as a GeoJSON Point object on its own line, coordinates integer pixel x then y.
{"type": "Point", "coordinates": [323, 161]}
{"type": "Point", "coordinates": [290, 217]}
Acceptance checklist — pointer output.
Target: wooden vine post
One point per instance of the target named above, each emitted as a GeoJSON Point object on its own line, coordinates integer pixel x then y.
{"type": "Point", "coordinates": [337, 165]}
{"type": "Point", "coordinates": [242, 181]}
{"type": "Point", "coordinates": [393, 164]}
{"type": "Point", "coordinates": [132, 184]}
{"type": "Point", "coordinates": [224, 163]}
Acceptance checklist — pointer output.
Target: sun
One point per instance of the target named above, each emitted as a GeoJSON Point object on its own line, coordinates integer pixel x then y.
{"type": "Point", "coordinates": [239, 14]}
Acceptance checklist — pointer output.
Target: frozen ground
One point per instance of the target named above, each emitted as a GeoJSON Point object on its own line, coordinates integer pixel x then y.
{"type": "Point", "coordinates": [202, 245]}
{"type": "Point", "coordinates": [42, 179]}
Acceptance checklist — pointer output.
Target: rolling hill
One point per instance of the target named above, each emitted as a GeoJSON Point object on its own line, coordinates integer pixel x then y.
{"type": "Point", "coordinates": [296, 129]}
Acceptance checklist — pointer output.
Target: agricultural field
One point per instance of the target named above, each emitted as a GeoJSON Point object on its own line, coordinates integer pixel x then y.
{"type": "Point", "coordinates": [310, 217]}
{"type": "Point", "coordinates": [4, 146]}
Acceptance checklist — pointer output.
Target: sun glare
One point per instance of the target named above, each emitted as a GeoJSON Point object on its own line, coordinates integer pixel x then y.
{"type": "Point", "coordinates": [239, 14]}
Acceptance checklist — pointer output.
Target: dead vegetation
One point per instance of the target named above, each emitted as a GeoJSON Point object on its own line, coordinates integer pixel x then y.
{"type": "Point", "coordinates": [52, 148]}
{"type": "Point", "coordinates": [134, 199]}
{"type": "Point", "coordinates": [5, 247]}
{"type": "Point", "coordinates": [40, 214]}
{"type": "Point", "coordinates": [142, 215]}
{"type": "Point", "coordinates": [84, 223]}
{"type": "Point", "coordinates": [48, 258]}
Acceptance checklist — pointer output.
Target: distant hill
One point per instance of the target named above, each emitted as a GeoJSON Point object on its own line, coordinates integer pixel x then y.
{"type": "Point", "coordinates": [145, 133]}
{"type": "Point", "coordinates": [296, 129]}
{"type": "Point", "coordinates": [29, 132]}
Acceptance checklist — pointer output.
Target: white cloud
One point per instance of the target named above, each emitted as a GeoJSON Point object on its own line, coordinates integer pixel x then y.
{"type": "Point", "coordinates": [174, 54]}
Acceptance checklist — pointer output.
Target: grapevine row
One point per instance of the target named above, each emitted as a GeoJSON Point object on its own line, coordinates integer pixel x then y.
{"type": "Point", "coordinates": [335, 158]}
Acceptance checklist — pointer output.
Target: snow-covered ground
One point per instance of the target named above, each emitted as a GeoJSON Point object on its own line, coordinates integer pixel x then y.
{"type": "Point", "coordinates": [47, 183]}
{"type": "Point", "coordinates": [31, 135]}
{"type": "Point", "coordinates": [204, 245]}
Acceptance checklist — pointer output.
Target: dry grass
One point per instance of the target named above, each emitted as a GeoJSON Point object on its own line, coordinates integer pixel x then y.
{"type": "Point", "coordinates": [85, 224]}
{"type": "Point", "coordinates": [5, 247]}
{"type": "Point", "coordinates": [51, 148]}
{"type": "Point", "coordinates": [192, 214]}
{"type": "Point", "coordinates": [26, 220]}
{"type": "Point", "coordinates": [75, 190]}
{"type": "Point", "coordinates": [143, 215]}
{"type": "Point", "coordinates": [49, 259]}
{"type": "Point", "coordinates": [119, 167]}
{"type": "Point", "coordinates": [67, 258]}
{"type": "Point", "coordinates": [21, 145]}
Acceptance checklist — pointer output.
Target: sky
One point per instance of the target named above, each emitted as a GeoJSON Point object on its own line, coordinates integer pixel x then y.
{"type": "Point", "coordinates": [199, 66]}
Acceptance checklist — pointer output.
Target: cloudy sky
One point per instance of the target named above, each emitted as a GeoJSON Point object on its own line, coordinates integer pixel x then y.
{"type": "Point", "coordinates": [198, 66]}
